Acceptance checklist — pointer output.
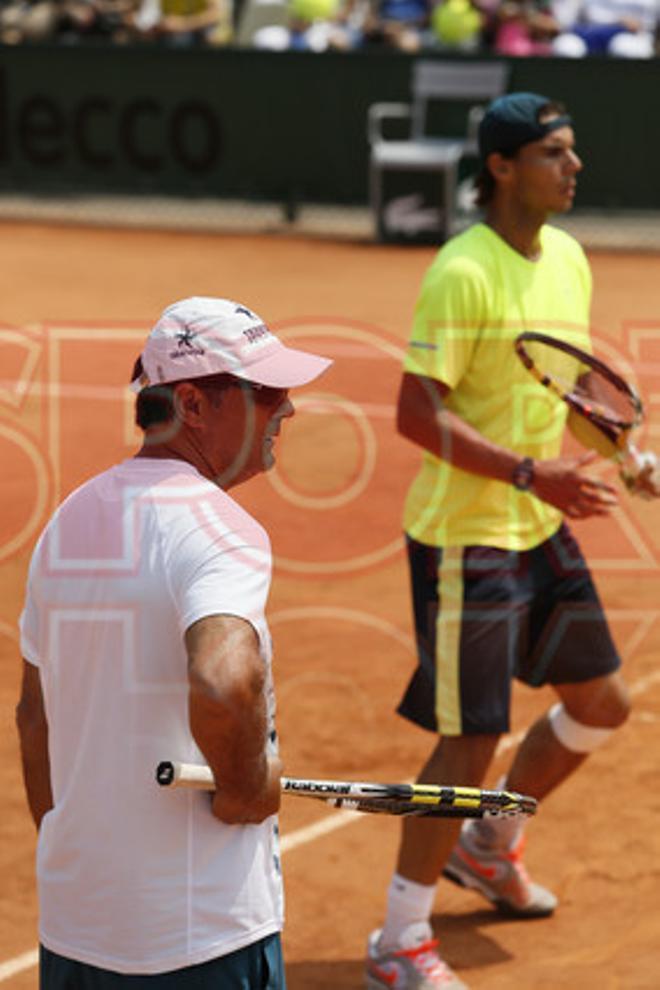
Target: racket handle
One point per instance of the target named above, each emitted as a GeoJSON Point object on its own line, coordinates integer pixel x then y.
{"type": "Point", "coordinates": [639, 472]}
{"type": "Point", "coordinates": [184, 774]}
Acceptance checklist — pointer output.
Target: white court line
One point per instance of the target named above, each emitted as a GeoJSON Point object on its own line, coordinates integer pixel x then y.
{"type": "Point", "coordinates": [303, 835]}
{"type": "Point", "coordinates": [644, 683]}
{"type": "Point", "coordinates": [18, 964]}
{"type": "Point", "coordinates": [323, 827]}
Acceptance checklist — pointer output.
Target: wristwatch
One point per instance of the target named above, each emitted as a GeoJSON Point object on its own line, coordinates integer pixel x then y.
{"type": "Point", "coordinates": [522, 477]}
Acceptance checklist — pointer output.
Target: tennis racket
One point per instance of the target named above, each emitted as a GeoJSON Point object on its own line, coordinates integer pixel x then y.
{"type": "Point", "coordinates": [604, 407]}
{"type": "Point", "coordinates": [428, 800]}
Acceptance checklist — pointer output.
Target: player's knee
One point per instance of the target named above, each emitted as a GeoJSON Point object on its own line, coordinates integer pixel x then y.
{"type": "Point", "coordinates": [619, 709]}
{"type": "Point", "coordinates": [611, 705]}
{"type": "Point", "coordinates": [603, 703]}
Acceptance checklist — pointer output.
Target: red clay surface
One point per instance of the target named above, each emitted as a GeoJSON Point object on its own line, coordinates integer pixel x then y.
{"type": "Point", "coordinates": [75, 303]}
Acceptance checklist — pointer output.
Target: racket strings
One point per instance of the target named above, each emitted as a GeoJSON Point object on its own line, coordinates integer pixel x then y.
{"type": "Point", "coordinates": [603, 399]}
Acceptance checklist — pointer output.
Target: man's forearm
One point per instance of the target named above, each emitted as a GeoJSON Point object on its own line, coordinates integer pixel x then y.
{"type": "Point", "coordinates": [467, 449]}
{"type": "Point", "coordinates": [424, 418]}
{"type": "Point", "coordinates": [231, 729]}
{"type": "Point", "coordinates": [232, 734]}
{"type": "Point", "coordinates": [36, 766]}
{"type": "Point", "coordinates": [562, 482]}
{"type": "Point", "coordinates": [32, 728]}
{"type": "Point", "coordinates": [229, 717]}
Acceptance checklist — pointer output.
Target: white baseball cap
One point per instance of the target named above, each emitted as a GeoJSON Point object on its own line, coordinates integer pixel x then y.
{"type": "Point", "coordinates": [205, 336]}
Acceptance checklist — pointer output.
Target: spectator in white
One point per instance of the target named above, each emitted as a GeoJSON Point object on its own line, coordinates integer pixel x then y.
{"type": "Point", "coordinates": [622, 28]}
{"type": "Point", "coordinates": [144, 638]}
{"type": "Point", "coordinates": [311, 26]}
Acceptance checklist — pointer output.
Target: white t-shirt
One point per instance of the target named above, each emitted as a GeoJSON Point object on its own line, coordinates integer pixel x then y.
{"type": "Point", "coordinates": [133, 877]}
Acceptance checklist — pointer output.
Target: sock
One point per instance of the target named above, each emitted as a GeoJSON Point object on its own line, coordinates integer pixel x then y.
{"type": "Point", "coordinates": [488, 834]}
{"type": "Point", "coordinates": [408, 904]}
{"type": "Point", "coordinates": [491, 833]}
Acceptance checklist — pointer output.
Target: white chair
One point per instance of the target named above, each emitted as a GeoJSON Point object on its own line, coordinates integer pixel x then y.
{"type": "Point", "coordinates": [260, 14]}
{"type": "Point", "coordinates": [472, 83]}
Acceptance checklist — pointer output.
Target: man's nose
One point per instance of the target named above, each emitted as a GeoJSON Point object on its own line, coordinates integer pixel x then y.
{"type": "Point", "coordinates": [286, 409]}
{"type": "Point", "coordinates": [575, 162]}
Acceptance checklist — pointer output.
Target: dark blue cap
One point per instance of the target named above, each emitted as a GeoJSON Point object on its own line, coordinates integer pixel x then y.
{"type": "Point", "coordinates": [513, 120]}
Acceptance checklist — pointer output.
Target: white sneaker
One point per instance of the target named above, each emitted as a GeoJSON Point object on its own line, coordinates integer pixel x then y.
{"type": "Point", "coordinates": [499, 875]}
{"type": "Point", "coordinates": [414, 966]}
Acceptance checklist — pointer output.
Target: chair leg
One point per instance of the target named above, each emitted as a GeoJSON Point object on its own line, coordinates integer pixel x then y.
{"type": "Point", "coordinates": [449, 182]}
{"type": "Point", "coordinates": [376, 199]}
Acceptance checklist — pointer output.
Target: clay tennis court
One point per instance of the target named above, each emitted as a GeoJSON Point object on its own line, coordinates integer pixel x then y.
{"type": "Point", "coordinates": [75, 305]}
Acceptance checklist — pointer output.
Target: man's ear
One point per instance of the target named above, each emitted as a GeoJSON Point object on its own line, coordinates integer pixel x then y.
{"type": "Point", "coordinates": [500, 167]}
{"type": "Point", "coordinates": [188, 403]}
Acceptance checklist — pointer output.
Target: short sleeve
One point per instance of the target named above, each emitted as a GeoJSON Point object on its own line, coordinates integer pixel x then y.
{"type": "Point", "coordinates": [585, 276]}
{"type": "Point", "coordinates": [28, 626]}
{"type": "Point", "coordinates": [28, 622]}
{"type": "Point", "coordinates": [448, 320]}
{"type": "Point", "coordinates": [221, 566]}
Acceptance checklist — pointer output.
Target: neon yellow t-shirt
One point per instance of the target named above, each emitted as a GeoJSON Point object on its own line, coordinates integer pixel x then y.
{"type": "Point", "coordinates": [477, 296]}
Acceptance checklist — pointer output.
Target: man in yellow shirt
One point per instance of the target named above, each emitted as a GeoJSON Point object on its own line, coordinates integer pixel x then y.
{"type": "Point", "coordinates": [500, 588]}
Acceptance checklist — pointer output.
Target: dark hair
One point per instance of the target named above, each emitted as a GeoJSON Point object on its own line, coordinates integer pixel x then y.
{"type": "Point", "coordinates": [155, 403]}
{"type": "Point", "coordinates": [485, 182]}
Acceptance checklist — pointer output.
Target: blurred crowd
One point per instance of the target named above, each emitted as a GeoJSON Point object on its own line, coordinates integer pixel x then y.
{"type": "Point", "coordinates": [568, 28]}
{"type": "Point", "coordinates": [180, 23]}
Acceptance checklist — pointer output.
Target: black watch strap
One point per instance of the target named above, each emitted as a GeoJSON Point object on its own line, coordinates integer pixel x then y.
{"type": "Point", "coordinates": [522, 476]}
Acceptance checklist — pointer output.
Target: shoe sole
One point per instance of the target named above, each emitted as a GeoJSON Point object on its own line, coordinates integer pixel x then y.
{"type": "Point", "coordinates": [503, 907]}
{"type": "Point", "coordinates": [373, 984]}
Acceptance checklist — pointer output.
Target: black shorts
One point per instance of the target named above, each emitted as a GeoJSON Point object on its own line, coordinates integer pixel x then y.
{"type": "Point", "coordinates": [484, 616]}
{"type": "Point", "coordinates": [255, 967]}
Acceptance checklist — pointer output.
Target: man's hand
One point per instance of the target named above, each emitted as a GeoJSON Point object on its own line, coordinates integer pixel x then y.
{"type": "Point", "coordinates": [235, 811]}
{"type": "Point", "coordinates": [641, 474]}
{"type": "Point", "coordinates": [562, 482]}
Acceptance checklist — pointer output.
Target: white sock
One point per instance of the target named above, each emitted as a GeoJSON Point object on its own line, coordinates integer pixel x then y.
{"type": "Point", "coordinates": [490, 833]}
{"type": "Point", "coordinates": [408, 904]}
{"type": "Point", "coordinates": [494, 833]}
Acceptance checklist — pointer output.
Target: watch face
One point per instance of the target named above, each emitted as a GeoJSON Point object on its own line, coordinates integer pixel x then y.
{"type": "Point", "coordinates": [523, 475]}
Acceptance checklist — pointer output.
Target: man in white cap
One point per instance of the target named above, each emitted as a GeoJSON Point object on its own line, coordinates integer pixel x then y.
{"type": "Point", "coordinates": [144, 638]}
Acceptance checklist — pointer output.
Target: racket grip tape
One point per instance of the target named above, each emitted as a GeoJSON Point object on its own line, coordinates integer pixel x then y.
{"type": "Point", "coordinates": [170, 774]}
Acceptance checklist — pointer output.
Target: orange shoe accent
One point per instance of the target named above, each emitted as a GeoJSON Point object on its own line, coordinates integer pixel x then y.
{"type": "Point", "coordinates": [389, 978]}
{"type": "Point", "coordinates": [418, 950]}
{"type": "Point", "coordinates": [487, 872]}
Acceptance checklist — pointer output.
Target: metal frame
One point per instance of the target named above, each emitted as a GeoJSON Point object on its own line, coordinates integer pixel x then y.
{"type": "Point", "coordinates": [473, 83]}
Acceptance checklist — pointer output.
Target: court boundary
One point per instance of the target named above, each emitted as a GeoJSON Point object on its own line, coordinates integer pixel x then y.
{"type": "Point", "coordinates": [597, 230]}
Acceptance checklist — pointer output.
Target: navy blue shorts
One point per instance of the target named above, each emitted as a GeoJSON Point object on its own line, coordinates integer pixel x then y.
{"type": "Point", "coordinates": [255, 967]}
{"type": "Point", "coordinates": [484, 616]}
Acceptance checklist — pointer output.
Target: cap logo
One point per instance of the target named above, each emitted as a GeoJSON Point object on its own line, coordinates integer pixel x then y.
{"type": "Point", "coordinates": [245, 311]}
{"type": "Point", "coordinates": [186, 344]}
{"type": "Point", "coordinates": [253, 334]}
